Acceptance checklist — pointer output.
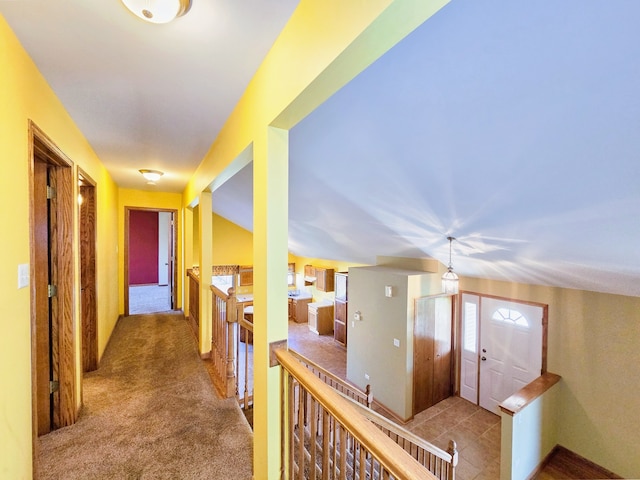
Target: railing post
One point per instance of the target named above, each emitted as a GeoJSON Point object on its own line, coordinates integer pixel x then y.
{"type": "Point", "coordinates": [232, 321]}
{"type": "Point", "coordinates": [453, 451]}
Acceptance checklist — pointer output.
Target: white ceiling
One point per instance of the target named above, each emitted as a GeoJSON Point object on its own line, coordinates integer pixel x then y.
{"type": "Point", "coordinates": [513, 126]}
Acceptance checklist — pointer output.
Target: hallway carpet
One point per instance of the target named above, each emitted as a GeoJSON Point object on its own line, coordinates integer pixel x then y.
{"type": "Point", "coordinates": [150, 412]}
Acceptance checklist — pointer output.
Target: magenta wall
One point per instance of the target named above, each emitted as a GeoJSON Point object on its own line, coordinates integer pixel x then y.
{"type": "Point", "coordinates": [143, 247]}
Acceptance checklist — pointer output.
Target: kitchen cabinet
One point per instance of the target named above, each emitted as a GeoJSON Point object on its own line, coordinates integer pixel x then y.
{"type": "Point", "coordinates": [320, 316]}
{"type": "Point", "coordinates": [246, 275]}
{"type": "Point", "coordinates": [340, 308]}
{"type": "Point", "coordinates": [432, 352]}
{"type": "Point", "coordinates": [298, 309]}
{"type": "Point", "coordinates": [340, 322]}
{"type": "Point", "coordinates": [325, 279]}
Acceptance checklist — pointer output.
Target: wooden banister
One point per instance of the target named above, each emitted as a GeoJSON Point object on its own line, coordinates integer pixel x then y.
{"type": "Point", "coordinates": [393, 458]}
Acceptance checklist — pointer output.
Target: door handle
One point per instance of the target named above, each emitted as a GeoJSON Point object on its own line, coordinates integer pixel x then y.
{"type": "Point", "coordinates": [484, 359]}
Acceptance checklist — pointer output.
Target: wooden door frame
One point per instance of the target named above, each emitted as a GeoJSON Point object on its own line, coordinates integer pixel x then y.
{"type": "Point", "coordinates": [41, 146]}
{"type": "Point", "coordinates": [174, 270]}
{"type": "Point", "coordinates": [458, 326]}
{"type": "Point", "coordinates": [88, 300]}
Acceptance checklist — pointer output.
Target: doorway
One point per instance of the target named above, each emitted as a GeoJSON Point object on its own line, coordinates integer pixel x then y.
{"type": "Point", "coordinates": [150, 259]}
{"type": "Point", "coordinates": [502, 348]}
{"type": "Point", "coordinates": [51, 185]}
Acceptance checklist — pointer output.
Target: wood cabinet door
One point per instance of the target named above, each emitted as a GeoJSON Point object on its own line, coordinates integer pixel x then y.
{"type": "Point", "coordinates": [246, 276]}
{"type": "Point", "coordinates": [341, 311]}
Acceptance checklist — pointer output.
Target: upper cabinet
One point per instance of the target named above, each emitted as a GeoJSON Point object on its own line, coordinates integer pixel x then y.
{"type": "Point", "coordinates": [246, 275]}
{"type": "Point", "coordinates": [322, 277]}
{"type": "Point", "coordinates": [325, 279]}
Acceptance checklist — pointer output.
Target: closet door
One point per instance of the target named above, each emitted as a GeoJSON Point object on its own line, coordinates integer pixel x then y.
{"type": "Point", "coordinates": [442, 349]}
{"type": "Point", "coordinates": [432, 351]}
{"type": "Point", "coordinates": [423, 345]}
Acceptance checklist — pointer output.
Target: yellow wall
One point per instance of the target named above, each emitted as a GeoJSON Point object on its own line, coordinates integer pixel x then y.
{"type": "Point", "coordinates": [232, 244]}
{"type": "Point", "coordinates": [594, 344]}
{"type": "Point", "coordinates": [24, 95]}
{"type": "Point", "coordinates": [146, 199]}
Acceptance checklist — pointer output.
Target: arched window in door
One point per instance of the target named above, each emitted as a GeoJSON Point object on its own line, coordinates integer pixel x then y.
{"type": "Point", "coordinates": [510, 316]}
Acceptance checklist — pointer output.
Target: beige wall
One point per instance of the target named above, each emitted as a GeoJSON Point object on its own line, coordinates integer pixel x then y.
{"type": "Point", "coordinates": [370, 341]}
{"type": "Point", "coordinates": [24, 95]}
{"type": "Point", "coordinates": [594, 344]}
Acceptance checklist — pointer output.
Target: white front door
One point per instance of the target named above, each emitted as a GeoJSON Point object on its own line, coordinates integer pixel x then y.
{"type": "Point", "coordinates": [510, 349]}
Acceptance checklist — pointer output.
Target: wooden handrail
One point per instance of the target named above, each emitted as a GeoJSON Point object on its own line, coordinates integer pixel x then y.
{"type": "Point", "coordinates": [527, 394]}
{"type": "Point", "coordinates": [390, 455]}
{"type": "Point", "coordinates": [396, 429]}
{"type": "Point", "coordinates": [366, 396]}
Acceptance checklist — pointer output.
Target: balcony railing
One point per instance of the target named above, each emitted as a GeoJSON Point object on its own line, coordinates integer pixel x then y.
{"type": "Point", "coordinates": [329, 430]}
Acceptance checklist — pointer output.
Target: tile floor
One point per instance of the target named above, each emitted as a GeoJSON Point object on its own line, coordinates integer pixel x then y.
{"type": "Point", "coordinates": [476, 431]}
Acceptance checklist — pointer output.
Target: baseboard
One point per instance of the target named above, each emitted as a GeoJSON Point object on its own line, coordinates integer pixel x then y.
{"type": "Point", "coordinates": [381, 408]}
{"type": "Point", "coordinates": [565, 452]}
{"type": "Point", "coordinates": [205, 356]}
{"type": "Point", "coordinates": [545, 461]}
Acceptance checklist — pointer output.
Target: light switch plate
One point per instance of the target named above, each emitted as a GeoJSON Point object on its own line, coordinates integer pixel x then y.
{"type": "Point", "coordinates": [396, 342]}
{"type": "Point", "coordinates": [23, 275]}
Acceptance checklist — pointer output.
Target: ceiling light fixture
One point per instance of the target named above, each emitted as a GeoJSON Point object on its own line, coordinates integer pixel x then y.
{"type": "Point", "coordinates": [450, 279]}
{"type": "Point", "coordinates": [152, 176]}
{"type": "Point", "coordinates": [158, 11]}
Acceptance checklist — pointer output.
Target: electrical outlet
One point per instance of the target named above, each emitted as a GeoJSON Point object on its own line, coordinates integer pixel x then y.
{"type": "Point", "coordinates": [396, 342]}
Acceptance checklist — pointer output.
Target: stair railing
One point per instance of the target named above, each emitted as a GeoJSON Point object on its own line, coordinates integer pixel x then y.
{"type": "Point", "coordinates": [343, 443]}
{"type": "Point", "coordinates": [364, 397]}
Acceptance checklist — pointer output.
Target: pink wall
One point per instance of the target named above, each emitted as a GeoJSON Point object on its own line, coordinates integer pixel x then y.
{"type": "Point", "coordinates": [143, 247]}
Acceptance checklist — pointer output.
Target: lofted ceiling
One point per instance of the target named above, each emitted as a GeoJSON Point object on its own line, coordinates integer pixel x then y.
{"type": "Point", "coordinates": [513, 126]}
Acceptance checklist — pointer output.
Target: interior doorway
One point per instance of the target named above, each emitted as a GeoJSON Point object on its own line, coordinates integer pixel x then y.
{"type": "Point", "coordinates": [502, 348]}
{"type": "Point", "coordinates": [88, 289]}
{"type": "Point", "coordinates": [51, 184]}
{"type": "Point", "coordinates": [150, 259]}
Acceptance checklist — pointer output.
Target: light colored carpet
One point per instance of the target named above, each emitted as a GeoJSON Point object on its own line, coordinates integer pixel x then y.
{"type": "Point", "coordinates": [150, 412]}
{"type": "Point", "coordinates": [149, 299]}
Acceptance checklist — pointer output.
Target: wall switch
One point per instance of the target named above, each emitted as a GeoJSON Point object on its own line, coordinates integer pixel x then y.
{"type": "Point", "coordinates": [353, 324]}
{"type": "Point", "coordinates": [366, 376]}
{"type": "Point", "coordinates": [396, 342]}
{"type": "Point", "coordinates": [23, 275]}
{"type": "Point", "coordinates": [357, 316]}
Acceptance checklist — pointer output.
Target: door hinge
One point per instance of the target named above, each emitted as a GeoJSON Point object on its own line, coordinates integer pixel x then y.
{"type": "Point", "coordinates": [52, 291]}
{"type": "Point", "coordinates": [54, 386]}
{"type": "Point", "coordinates": [51, 192]}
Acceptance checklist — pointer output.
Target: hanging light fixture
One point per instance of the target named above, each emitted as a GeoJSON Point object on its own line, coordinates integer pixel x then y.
{"type": "Point", "coordinates": [152, 176]}
{"type": "Point", "coordinates": [158, 11]}
{"type": "Point", "coordinates": [450, 279]}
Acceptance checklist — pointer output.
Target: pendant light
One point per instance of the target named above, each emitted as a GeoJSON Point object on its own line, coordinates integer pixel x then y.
{"type": "Point", "coordinates": [158, 11]}
{"type": "Point", "coordinates": [450, 279]}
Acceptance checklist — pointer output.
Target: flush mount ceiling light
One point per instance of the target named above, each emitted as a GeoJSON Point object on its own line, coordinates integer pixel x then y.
{"type": "Point", "coordinates": [158, 11]}
{"type": "Point", "coordinates": [450, 279]}
{"type": "Point", "coordinates": [152, 176]}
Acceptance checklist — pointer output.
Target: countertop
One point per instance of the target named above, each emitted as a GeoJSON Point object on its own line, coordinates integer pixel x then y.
{"type": "Point", "coordinates": [323, 303]}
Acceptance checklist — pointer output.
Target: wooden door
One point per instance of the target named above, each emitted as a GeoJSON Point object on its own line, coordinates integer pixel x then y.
{"type": "Point", "coordinates": [88, 303]}
{"type": "Point", "coordinates": [41, 281]}
{"type": "Point", "coordinates": [432, 351]}
{"type": "Point", "coordinates": [423, 341]}
{"type": "Point", "coordinates": [442, 354]}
